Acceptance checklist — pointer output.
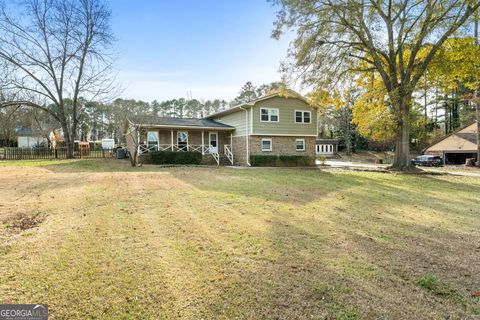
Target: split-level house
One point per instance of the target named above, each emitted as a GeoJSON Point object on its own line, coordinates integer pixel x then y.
{"type": "Point", "coordinates": [276, 124]}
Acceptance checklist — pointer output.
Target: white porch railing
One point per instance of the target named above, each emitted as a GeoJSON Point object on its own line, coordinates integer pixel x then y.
{"type": "Point", "coordinates": [228, 152]}
{"type": "Point", "coordinates": [203, 149]}
{"type": "Point", "coordinates": [216, 156]}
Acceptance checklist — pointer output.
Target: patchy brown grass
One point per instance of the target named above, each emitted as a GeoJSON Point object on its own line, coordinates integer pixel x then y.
{"type": "Point", "coordinates": [191, 243]}
{"type": "Point", "coordinates": [21, 221]}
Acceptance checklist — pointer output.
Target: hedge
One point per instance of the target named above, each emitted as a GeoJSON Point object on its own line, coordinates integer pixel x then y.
{"type": "Point", "coordinates": [171, 157]}
{"type": "Point", "coordinates": [260, 160]}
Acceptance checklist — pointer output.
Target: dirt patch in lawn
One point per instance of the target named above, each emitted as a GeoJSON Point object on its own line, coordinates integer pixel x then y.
{"type": "Point", "coordinates": [21, 221]}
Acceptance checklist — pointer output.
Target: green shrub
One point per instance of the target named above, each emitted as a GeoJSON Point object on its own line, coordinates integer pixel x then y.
{"type": "Point", "coordinates": [428, 281]}
{"type": "Point", "coordinates": [260, 160]}
{"type": "Point", "coordinates": [295, 161]}
{"type": "Point", "coordinates": [432, 283]}
{"type": "Point", "coordinates": [171, 157]}
{"type": "Point", "coordinates": [322, 159]}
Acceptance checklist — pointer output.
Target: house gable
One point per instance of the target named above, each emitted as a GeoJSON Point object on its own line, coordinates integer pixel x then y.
{"type": "Point", "coordinates": [286, 124]}
{"type": "Point", "coordinates": [247, 120]}
{"type": "Point", "coordinates": [463, 140]}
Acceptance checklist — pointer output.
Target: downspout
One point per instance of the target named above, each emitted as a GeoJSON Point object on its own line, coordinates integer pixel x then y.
{"type": "Point", "coordinates": [247, 136]}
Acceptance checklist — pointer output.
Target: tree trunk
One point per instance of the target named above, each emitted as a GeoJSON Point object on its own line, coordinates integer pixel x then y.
{"type": "Point", "coordinates": [477, 109]}
{"type": "Point", "coordinates": [402, 160]}
{"type": "Point", "coordinates": [477, 102]}
{"type": "Point", "coordinates": [69, 143]}
{"type": "Point", "coordinates": [134, 158]}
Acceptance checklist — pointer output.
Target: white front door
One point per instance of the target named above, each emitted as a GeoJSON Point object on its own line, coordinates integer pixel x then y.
{"type": "Point", "coordinates": [213, 142]}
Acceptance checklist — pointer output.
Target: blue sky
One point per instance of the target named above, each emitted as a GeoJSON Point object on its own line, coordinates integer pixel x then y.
{"type": "Point", "coordinates": [210, 48]}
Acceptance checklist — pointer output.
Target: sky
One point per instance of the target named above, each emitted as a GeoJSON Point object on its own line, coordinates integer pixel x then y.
{"type": "Point", "coordinates": [204, 48]}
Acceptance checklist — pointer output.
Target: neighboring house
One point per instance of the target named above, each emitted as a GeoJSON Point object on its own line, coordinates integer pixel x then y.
{"type": "Point", "coordinates": [456, 147]}
{"type": "Point", "coordinates": [30, 137]}
{"type": "Point", "coordinates": [271, 125]}
{"type": "Point", "coordinates": [326, 147]}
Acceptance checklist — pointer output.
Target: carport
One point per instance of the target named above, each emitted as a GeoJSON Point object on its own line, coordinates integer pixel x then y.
{"type": "Point", "coordinates": [457, 147]}
{"type": "Point", "coordinates": [458, 157]}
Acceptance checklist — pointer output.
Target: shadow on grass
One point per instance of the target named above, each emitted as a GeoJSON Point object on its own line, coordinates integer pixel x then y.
{"type": "Point", "coordinates": [317, 275]}
{"type": "Point", "coordinates": [334, 268]}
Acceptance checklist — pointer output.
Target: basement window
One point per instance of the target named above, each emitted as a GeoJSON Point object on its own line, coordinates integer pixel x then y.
{"type": "Point", "coordinates": [266, 144]}
{"type": "Point", "coordinates": [300, 144]}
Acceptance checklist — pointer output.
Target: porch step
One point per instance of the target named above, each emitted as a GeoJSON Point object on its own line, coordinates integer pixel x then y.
{"type": "Point", "coordinates": [224, 161]}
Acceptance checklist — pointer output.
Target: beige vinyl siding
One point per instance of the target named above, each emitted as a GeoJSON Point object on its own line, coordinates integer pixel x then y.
{"type": "Point", "coordinates": [286, 124]}
{"type": "Point", "coordinates": [235, 119]}
{"type": "Point", "coordinates": [453, 143]}
{"type": "Point", "coordinates": [470, 129]}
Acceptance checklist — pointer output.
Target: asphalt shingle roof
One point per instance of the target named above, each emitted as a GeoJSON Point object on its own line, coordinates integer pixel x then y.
{"type": "Point", "coordinates": [469, 136]}
{"type": "Point", "coordinates": [28, 132]}
{"type": "Point", "coordinates": [178, 122]}
{"type": "Point", "coordinates": [326, 141]}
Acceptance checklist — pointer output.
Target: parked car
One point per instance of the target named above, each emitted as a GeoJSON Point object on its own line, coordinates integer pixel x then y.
{"type": "Point", "coordinates": [428, 161]}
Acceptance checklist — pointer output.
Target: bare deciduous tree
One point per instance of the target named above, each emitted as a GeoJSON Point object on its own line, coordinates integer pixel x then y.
{"type": "Point", "coordinates": [55, 50]}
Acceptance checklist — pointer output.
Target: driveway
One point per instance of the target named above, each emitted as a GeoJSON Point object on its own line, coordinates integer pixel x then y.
{"type": "Point", "coordinates": [349, 164]}
{"type": "Point", "coordinates": [370, 166]}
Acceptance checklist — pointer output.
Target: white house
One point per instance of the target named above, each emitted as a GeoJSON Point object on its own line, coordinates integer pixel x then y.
{"type": "Point", "coordinates": [29, 138]}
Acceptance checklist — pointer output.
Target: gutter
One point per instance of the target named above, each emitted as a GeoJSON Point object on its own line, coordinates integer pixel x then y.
{"type": "Point", "coordinates": [247, 136]}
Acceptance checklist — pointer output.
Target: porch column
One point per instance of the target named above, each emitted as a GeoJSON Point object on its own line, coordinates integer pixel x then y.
{"type": "Point", "coordinates": [231, 142]}
{"type": "Point", "coordinates": [171, 134]}
{"type": "Point", "coordinates": [138, 141]}
{"type": "Point", "coordinates": [203, 144]}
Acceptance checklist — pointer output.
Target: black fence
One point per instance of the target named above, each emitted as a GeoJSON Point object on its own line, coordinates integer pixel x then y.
{"type": "Point", "coordinates": [47, 153]}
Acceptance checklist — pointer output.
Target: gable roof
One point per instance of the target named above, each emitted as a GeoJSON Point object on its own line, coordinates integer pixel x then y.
{"type": "Point", "coordinates": [287, 94]}
{"type": "Point", "coordinates": [457, 141]}
{"type": "Point", "coordinates": [170, 122]}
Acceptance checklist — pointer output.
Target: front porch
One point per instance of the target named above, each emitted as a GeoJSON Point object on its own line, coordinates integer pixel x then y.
{"type": "Point", "coordinates": [215, 146]}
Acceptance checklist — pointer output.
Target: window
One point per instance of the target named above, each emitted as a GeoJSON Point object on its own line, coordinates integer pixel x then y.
{"type": "Point", "coordinates": [298, 116]}
{"type": "Point", "coordinates": [152, 140]}
{"type": "Point", "coordinates": [269, 115]}
{"type": "Point", "coordinates": [303, 117]}
{"type": "Point", "coordinates": [182, 139]}
{"type": "Point", "coordinates": [266, 144]}
{"type": "Point", "coordinates": [300, 144]}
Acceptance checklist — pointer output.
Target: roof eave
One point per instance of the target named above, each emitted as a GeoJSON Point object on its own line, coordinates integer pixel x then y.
{"type": "Point", "coordinates": [230, 110]}
{"type": "Point", "coordinates": [252, 103]}
{"type": "Point", "coordinates": [183, 127]}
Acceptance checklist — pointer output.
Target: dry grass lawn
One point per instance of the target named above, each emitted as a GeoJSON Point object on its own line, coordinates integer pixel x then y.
{"type": "Point", "coordinates": [98, 239]}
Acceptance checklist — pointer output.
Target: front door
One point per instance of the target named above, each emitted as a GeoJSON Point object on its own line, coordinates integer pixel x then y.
{"type": "Point", "coordinates": [213, 142]}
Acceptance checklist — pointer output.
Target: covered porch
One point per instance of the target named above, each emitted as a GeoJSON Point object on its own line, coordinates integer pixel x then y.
{"type": "Point", "coordinates": [213, 144]}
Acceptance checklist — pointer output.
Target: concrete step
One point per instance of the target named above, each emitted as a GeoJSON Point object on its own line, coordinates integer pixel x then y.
{"type": "Point", "coordinates": [224, 161]}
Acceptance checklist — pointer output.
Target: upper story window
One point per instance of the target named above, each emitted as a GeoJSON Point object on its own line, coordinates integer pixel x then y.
{"type": "Point", "coordinates": [269, 115]}
{"type": "Point", "coordinates": [303, 116]}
